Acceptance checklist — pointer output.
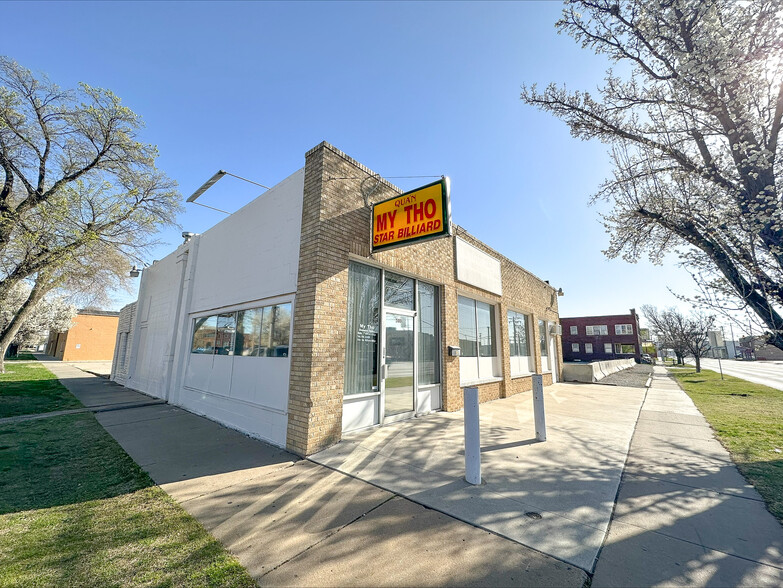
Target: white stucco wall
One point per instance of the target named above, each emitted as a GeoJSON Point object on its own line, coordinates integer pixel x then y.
{"type": "Point", "coordinates": [124, 343]}
{"type": "Point", "coordinates": [156, 321]}
{"type": "Point", "coordinates": [250, 259]}
{"type": "Point", "coordinates": [254, 253]}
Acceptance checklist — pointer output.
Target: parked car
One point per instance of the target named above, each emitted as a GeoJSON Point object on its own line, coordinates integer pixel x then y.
{"type": "Point", "coordinates": [647, 358]}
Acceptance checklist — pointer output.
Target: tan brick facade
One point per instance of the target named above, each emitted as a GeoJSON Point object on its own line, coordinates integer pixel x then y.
{"type": "Point", "coordinates": [91, 338]}
{"type": "Point", "coordinates": [335, 229]}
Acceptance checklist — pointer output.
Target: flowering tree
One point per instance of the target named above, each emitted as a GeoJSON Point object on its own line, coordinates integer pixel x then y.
{"type": "Point", "coordinates": [694, 130]}
{"type": "Point", "coordinates": [51, 313]}
{"type": "Point", "coordinates": [80, 197]}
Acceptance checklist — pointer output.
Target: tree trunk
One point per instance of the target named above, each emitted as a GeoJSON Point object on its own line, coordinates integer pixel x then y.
{"type": "Point", "coordinates": [698, 363]}
{"type": "Point", "coordinates": [39, 290]}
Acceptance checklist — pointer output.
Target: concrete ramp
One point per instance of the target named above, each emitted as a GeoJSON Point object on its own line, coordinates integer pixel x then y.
{"type": "Point", "coordinates": [595, 371]}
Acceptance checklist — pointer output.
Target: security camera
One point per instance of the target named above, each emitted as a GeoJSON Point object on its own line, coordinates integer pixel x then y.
{"type": "Point", "coordinates": [187, 235]}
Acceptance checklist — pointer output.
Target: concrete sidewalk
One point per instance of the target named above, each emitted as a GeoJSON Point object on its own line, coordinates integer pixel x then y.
{"type": "Point", "coordinates": [293, 522]}
{"type": "Point", "coordinates": [98, 368]}
{"type": "Point", "coordinates": [684, 515]}
{"type": "Point", "coordinates": [556, 496]}
{"type": "Point", "coordinates": [91, 390]}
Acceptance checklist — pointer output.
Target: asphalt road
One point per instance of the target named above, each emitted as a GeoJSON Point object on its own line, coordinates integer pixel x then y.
{"type": "Point", "coordinates": [769, 373]}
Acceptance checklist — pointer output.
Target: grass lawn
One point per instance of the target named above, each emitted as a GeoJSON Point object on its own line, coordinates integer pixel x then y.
{"type": "Point", "coordinates": [24, 356]}
{"type": "Point", "coordinates": [75, 510]}
{"type": "Point", "coordinates": [29, 388]}
{"type": "Point", "coordinates": [748, 420]}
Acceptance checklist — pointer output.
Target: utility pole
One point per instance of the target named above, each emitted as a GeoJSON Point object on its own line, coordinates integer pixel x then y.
{"type": "Point", "coordinates": [733, 341]}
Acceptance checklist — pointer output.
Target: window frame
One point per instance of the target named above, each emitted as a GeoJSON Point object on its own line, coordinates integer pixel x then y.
{"type": "Point", "coordinates": [574, 329]}
{"type": "Point", "coordinates": [487, 367]}
{"type": "Point", "coordinates": [383, 308]}
{"type": "Point", "coordinates": [438, 359]}
{"type": "Point", "coordinates": [575, 348]}
{"type": "Point", "coordinates": [602, 330]}
{"type": "Point", "coordinates": [589, 348]}
{"type": "Point", "coordinates": [521, 365]}
{"type": "Point", "coordinates": [623, 329]}
{"type": "Point", "coordinates": [235, 313]}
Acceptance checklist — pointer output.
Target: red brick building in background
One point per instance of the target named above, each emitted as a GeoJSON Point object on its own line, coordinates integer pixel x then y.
{"type": "Point", "coordinates": [600, 338]}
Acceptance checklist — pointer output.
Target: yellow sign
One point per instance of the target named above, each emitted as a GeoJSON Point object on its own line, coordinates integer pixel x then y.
{"type": "Point", "coordinates": [424, 213]}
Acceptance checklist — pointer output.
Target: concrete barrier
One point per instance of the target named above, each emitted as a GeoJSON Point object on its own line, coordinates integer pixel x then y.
{"type": "Point", "coordinates": [594, 371]}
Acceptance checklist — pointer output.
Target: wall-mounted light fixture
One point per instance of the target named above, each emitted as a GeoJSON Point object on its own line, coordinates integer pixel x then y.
{"type": "Point", "coordinates": [211, 182]}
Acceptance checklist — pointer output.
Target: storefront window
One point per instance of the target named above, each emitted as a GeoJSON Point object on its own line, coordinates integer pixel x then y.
{"type": "Point", "coordinates": [519, 350]}
{"type": "Point", "coordinates": [478, 350]}
{"type": "Point", "coordinates": [429, 345]}
{"type": "Point", "coordinates": [364, 306]}
{"type": "Point", "coordinates": [248, 341]}
{"type": "Point", "coordinates": [398, 291]}
{"type": "Point", "coordinates": [517, 334]}
{"type": "Point", "coordinates": [542, 337]}
{"type": "Point", "coordinates": [275, 327]}
{"type": "Point", "coordinates": [224, 338]}
{"type": "Point", "coordinates": [204, 335]}
{"type": "Point", "coordinates": [256, 332]}
{"type": "Point", "coordinates": [468, 346]}
{"type": "Point", "coordinates": [485, 315]}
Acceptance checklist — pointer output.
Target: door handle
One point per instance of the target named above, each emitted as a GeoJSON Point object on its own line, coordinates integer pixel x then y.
{"type": "Point", "coordinates": [384, 371]}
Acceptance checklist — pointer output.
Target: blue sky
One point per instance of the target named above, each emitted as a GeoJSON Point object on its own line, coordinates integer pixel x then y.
{"type": "Point", "coordinates": [407, 88]}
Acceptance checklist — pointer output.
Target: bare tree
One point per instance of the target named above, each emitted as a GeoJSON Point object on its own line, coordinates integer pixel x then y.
{"type": "Point", "coordinates": [694, 131]}
{"type": "Point", "coordinates": [686, 335]}
{"type": "Point", "coordinates": [80, 197]}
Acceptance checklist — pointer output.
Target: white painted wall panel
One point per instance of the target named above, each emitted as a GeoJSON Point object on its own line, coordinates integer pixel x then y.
{"type": "Point", "coordinates": [520, 365]}
{"type": "Point", "coordinates": [262, 381]}
{"type": "Point", "coordinates": [156, 315]}
{"type": "Point", "coordinates": [477, 268]}
{"type": "Point", "coordinates": [254, 253]}
{"type": "Point", "coordinates": [428, 399]}
{"type": "Point", "coordinates": [359, 413]}
{"type": "Point", "coordinates": [198, 372]}
{"type": "Point", "coordinates": [468, 370]}
{"type": "Point", "coordinates": [255, 420]}
{"type": "Point", "coordinates": [251, 256]}
{"type": "Point", "coordinates": [220, 378]}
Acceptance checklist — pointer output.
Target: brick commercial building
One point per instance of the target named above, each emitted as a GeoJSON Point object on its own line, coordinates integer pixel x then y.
{"type": "Point", "coordinates": [282, 322]}
{"type": "Point", "coordinates": [91, 338]}
{"type": "Point", "coordinates": [599, 338]}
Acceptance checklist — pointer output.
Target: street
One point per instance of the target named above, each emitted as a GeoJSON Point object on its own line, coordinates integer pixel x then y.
{"type": "Point", "coordinates": [769, 373]}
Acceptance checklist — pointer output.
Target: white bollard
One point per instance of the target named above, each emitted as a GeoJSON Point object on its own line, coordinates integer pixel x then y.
{"type": "Point", "coordinates": [538, 406]}
{"type": "Point", "coordinates": [472, 436]}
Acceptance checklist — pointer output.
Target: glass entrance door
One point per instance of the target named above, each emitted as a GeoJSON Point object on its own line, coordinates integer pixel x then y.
{"type": "Point", "coordinates": [399, 361]}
